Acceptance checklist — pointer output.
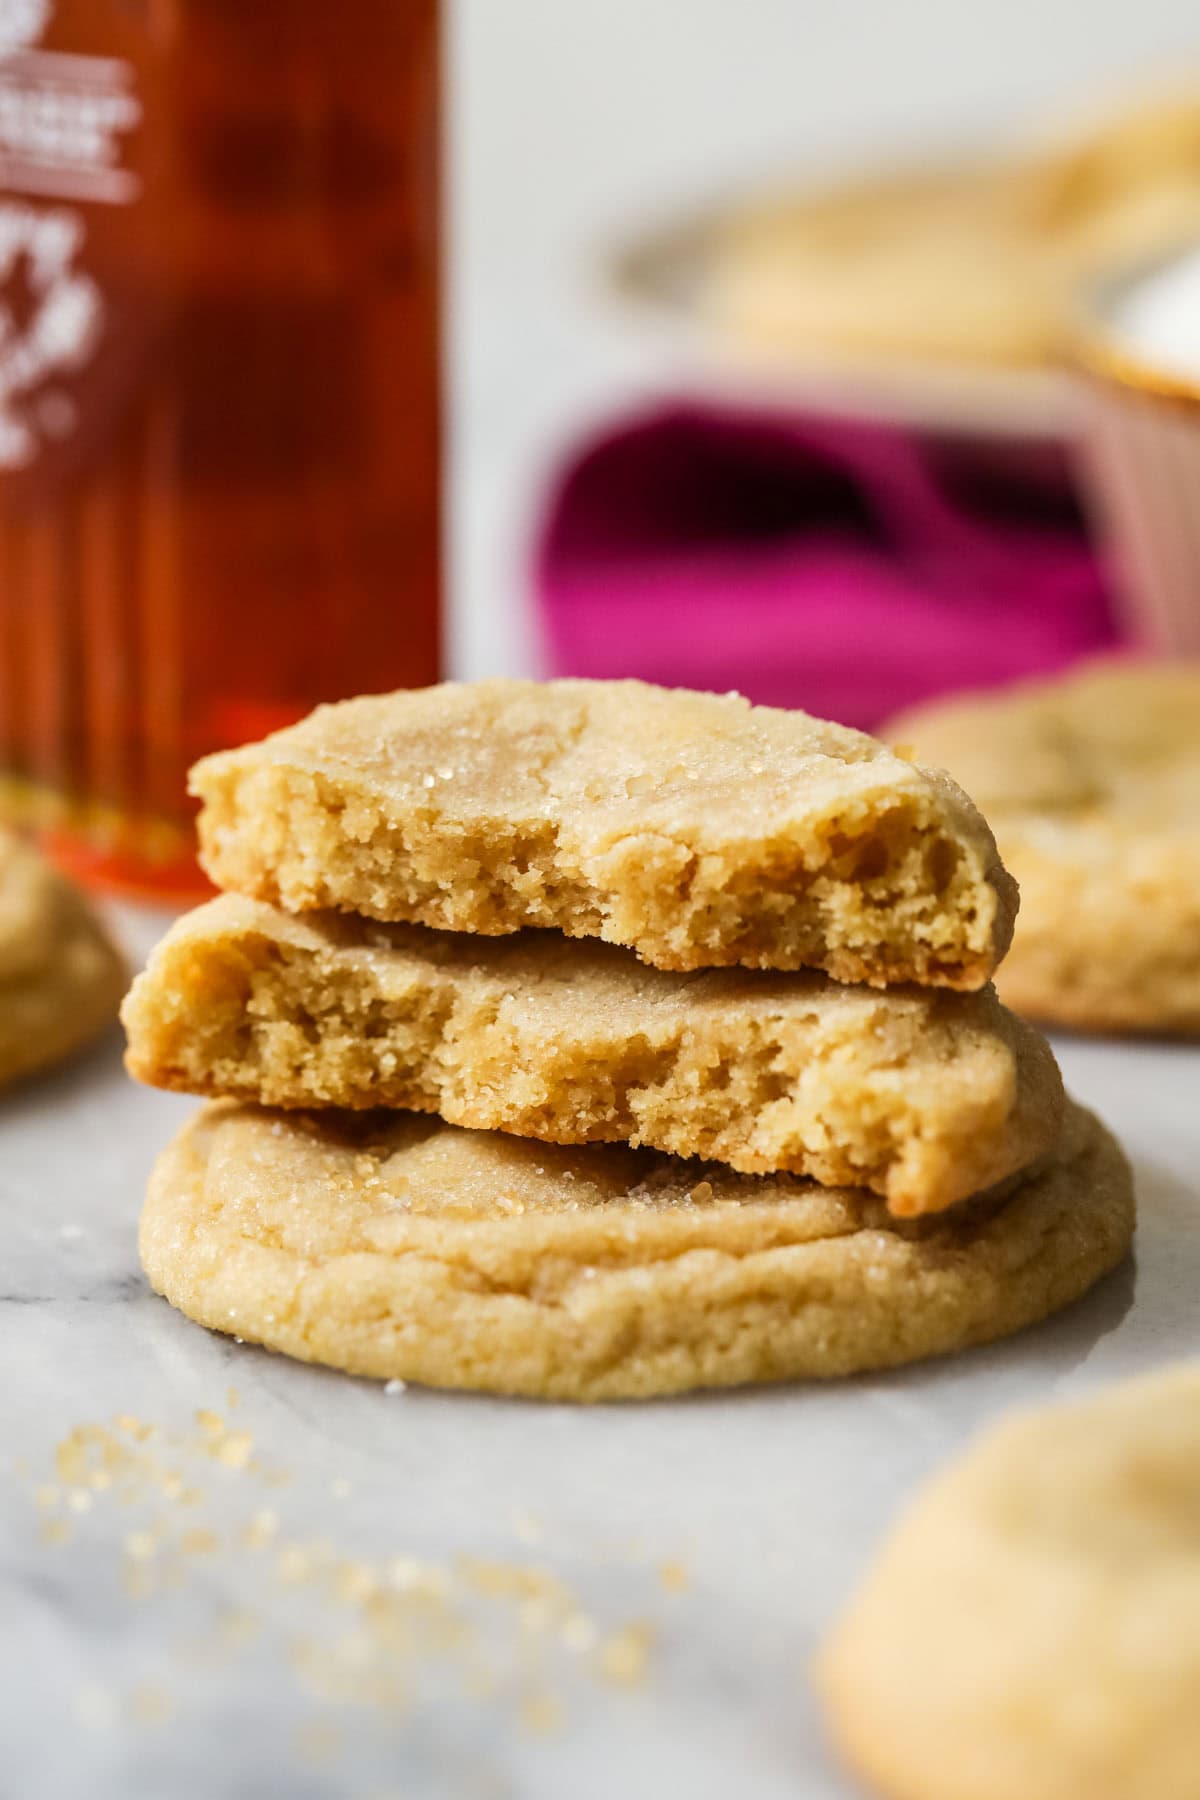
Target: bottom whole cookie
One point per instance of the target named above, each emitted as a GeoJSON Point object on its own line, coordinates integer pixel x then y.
{"type": "Point", "coordinates": [394, 1245]}
{"type": "Point", "coordinates": [1031, 1630]}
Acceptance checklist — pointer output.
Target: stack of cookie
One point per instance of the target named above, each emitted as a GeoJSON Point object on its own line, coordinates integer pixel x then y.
{"type": "Point", "coordinates": [594, 1040]}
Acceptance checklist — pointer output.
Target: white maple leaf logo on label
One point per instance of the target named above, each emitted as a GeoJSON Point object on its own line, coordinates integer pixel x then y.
{"type": "Point", "coordinates": [57, 333]}
{"type": "Point", "coordinates": [22, 23]}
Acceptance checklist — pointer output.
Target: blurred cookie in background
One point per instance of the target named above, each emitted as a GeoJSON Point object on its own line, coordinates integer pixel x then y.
{"type": "Point", "coordinates": [930, 264]}
{"type": "Point", "coordinates": [1091, 783]}
{"type": "Point", "coordinates": [61, 976]}
{"type": "Point", "coordinates": [1123, 182]}
{"type": "Point", "coordinates": [968, 262]}
{"type": "Point", "coordinates": [1032, 1626]}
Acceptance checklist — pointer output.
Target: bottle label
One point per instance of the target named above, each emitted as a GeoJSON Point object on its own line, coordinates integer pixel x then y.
{"type": "Point", "coordinates": [65, 121]}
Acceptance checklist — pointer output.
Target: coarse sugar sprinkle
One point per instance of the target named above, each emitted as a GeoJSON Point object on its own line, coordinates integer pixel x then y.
{"type": "Point", "coordinates": [382, 1631]}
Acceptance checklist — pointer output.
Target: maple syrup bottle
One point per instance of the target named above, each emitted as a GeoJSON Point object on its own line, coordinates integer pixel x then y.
{"type": "Point", "coordinates": [219, 394]}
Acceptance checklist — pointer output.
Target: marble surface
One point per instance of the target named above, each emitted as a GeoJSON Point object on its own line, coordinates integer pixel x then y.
{"type": "Point", "coordinates": [326, 1589]}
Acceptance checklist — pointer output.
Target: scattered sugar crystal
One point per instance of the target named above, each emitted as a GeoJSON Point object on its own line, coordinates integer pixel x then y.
{"type": "Point", "coordinates": [355, 1582]}
{"type": "Point", "coordinates": [295, 1564]}
{"type": "Point", "coordinates": [395, 1602]}
{"type": "Point", "coordinates": [624, 1656]}
{"type": "Point", "coordinates": [261, 1529]}
{"type": "Point", "coordinates": [150, 1705]}
{"type": "Point", "coordinates": [234, 1449]}
{"type": "Point", "coordinates": [541, 1714]}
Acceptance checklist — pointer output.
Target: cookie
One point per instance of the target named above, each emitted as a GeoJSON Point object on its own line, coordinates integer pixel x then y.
{"type": "Point", "coordinates": [974, 265]}
{"type": "Point", "coordinates": [940, 265]}
{"type": "Point", "coordinates": [1092, 784]}
{"type": "Point", "coordinates": [695, 828]}
{"type": "Point", "coordinates": [61, 979]}
{"type": "Point", "coordinates": [921, 1095]}
{"type": "Point", "coordinates": [1032, 1626]}
{"type": "Point", "coordinates": [393, 1245]}
{"type": "Point", "coordinates": [1119, 186]}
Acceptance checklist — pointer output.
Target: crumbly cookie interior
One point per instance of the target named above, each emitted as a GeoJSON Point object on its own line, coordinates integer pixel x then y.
{"type": "Point", "coordinates": [921, 1095]}
{"type": "Point", "coordinates": [694, 828]}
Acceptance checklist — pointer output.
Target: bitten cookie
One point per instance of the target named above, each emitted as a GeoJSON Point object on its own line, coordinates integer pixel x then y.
{"type": "Point", "coordinates": [61, 979]}
{"type": "Point", "coordinates": [397, 1246]}
{"type": "Point", "coordinates": [1092, 784]}
{"type": "Point", "coordinates": [697, 829]}
{"type": "Point", "coordinates": [1032, 1626]}
{"type": "Point", "coordinates": [921, 1095]}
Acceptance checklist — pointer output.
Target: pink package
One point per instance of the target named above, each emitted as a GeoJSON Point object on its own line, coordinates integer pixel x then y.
{"type": "Point", "coordinates": [850, 569]}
